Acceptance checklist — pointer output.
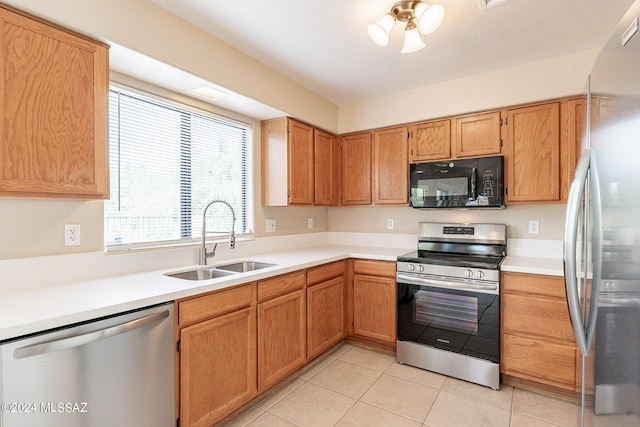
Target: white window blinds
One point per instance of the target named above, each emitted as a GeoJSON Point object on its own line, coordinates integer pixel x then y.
{"type": "Point", "coordinates": [167, 162]}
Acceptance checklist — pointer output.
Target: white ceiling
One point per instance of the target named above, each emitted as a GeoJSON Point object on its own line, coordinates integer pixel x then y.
{"type": "Point", "coordinates": [324, 46]}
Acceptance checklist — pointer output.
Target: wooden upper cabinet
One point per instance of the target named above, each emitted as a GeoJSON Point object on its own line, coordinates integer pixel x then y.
{"type": "Point", "coordinates": [287, 163]}
{"type": "Point", "coordinates": [356, 169]}
{"type": "Point", "coordinates": [430, 141]}
{"type": "Point", "coordinates": [533, 153]}
{"type": "Point", "coordinates": [572, 128]}
{"type": "Point", "coordinates": [53, 111]}
{"type": "Point", "coordinates": [325, 168]}
{"type": "Point", "coordinates": [390, 166]}
{"type": "Point", "coordinates": [478, 135]}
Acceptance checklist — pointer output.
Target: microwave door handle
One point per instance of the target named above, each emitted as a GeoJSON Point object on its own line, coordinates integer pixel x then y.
{"type": "Point", "coordinates": [474, 180]}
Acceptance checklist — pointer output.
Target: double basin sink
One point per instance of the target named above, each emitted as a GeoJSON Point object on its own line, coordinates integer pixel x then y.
{"type": "Point", "coordinates": [213, 272]}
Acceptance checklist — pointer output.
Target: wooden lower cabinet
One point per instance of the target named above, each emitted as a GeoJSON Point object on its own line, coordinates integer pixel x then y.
{"type": "Point", "coordinates": [374, 300]}
{"type": "Point", "coordinates": [325, 308]}
{"type": "Point", "coordinates": [282, 330]}
{"type": "Point", "coordinates": [217, 359]}
{"type": "Point", "coordinates": [537, 339]}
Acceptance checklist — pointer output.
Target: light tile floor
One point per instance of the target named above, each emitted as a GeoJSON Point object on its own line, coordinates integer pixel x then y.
{"type": "Point", "coordinates": [354, 386]}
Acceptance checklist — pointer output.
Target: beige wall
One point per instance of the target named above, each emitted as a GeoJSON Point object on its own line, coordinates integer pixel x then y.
{"type": "Point", "coordinates": [516, 217]}
{"type": "Point", "coordinates": [149, 29]}
{"type": "Point", "coordinates": [34, 227]}
{"type": "Point", "coordinates": [553, 78]}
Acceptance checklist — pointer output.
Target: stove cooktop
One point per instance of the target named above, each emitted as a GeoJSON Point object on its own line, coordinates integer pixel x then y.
{"type": "Point", "coordinates": [453, 260]}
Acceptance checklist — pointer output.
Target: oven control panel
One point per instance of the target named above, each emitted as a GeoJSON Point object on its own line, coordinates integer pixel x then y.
{"type": "Point", "coordinates": [443, 271]}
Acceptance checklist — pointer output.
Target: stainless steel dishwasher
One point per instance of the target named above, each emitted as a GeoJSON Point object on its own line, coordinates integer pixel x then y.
{"type": "Point", "coordinates": [115, 371]}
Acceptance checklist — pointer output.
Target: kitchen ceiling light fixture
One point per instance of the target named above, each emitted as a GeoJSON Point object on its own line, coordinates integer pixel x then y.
{"type": "Point", "coordinates": [209, 93]}
{"type": "Point", "coordinates": [420, 17]}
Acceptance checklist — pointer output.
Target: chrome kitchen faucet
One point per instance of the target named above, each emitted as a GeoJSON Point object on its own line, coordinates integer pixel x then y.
{"type": "Point", "coordinates": [203, 254]}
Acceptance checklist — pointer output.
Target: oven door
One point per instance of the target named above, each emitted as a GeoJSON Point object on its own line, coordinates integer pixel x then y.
{"type": "Point", "coordinates": [457, 315]}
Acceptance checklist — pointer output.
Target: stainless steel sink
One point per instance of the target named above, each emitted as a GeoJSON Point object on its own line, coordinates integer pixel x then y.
{"type": "Point", "coordinates": [200, 274]}
{"type": "Point", "coordinates": [244, 266]}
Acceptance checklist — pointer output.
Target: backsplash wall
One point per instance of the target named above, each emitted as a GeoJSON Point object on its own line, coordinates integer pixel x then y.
{"type": "Point", "coordinates": [373, 219]}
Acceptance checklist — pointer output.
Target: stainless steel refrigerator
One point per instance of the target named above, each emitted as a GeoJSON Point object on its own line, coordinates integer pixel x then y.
{"type": "Point", "coordinates": [602, 234]}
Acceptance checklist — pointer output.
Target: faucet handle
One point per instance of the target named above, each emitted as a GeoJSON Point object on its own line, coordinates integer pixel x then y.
{"type": "Point", "coordinates": [232, 240]}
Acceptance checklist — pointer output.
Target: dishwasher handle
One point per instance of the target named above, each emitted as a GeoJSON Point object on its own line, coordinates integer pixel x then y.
{"type": "Point", "coordinates": [89, 337]}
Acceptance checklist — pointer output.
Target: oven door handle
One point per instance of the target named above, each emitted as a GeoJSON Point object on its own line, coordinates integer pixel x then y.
{"type": "Point", "coordinates": [449, 284]}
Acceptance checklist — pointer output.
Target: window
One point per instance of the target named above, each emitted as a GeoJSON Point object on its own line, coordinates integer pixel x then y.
{"type": "Point", "coordinates": [167, 162]}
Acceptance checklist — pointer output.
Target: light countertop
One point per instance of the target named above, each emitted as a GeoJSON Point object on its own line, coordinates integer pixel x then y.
{"type": "Point", "coordinates": [37, 309]}
{"type": "Point", "coordinates": [532, 265]}
{"type": "Point", "coordinates": [25, 311]}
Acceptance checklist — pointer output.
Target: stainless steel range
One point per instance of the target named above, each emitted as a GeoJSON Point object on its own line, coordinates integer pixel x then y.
{"type": "Point", "coordinates": [449, 301]}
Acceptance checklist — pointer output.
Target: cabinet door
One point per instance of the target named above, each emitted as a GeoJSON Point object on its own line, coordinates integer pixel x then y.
{"type": "Point", "coordinates": [326, 157]}
{"type": "Point", "coordinates": [533, 158]}
{"type": "Point", "coordinates": [300, 163]}
{"type": "Point", "coordinates": [53, 134]}
{"type": "Point", "coordinates": [281, 337]}
{"type": "Point", "coordinates": [356, 169]}
{"type": "Point", "coordinates": [478, 135]}
{"type": "Point", "coordinates": [573, 127]}
{"type": "Point", "coordinates": [274, 156]}
{"type": "Point", "coordinates": [430, 141]}
{"type": "Point", "coordinates": [217, 367]}
{"type": "Point", "coordinates": [325, 316]}
{"type": "Point", "coordinates": [538, 316]}
{"type": "Point", "coordinates": [374, 307]}
{"type": "Point", "coordinates": [390, 166]}
{"type": "Point", "coordinates": [544, 362]}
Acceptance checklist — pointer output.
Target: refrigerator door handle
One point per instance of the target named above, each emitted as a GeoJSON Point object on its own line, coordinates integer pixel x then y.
{"type": "Point", "coordinates": [574, 203]}
{"type": "Point", "coordinates": [596, 256]}
{"type": "Point", "coordinates": [83, 339]}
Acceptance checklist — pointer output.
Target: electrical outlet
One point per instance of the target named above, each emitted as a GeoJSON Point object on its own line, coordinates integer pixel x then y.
{"type": "Point", "coordinates": [390, 223]}
{"type": "Point", "coordinates": [72, 234]}
{"type": "Point", "coordinates": [534, 226]}
{"type": "Point", "coordinates": [309, 223]}
{"type": "Point", "coordinates": [271, 225]}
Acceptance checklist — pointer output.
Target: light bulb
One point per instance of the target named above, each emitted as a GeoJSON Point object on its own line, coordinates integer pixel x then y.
{"type": "Point", "coordinates": [430, 19]}
{"type": "Point", "coordinates": [412, 40]}
{"type": "Point", "coordinates": [379, 32]}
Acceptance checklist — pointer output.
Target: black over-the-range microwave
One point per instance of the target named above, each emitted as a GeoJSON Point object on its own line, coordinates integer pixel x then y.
{"type": "Point", "coordinates": [464, 183]}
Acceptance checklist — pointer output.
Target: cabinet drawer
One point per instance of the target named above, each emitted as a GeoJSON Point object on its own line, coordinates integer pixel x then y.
{"type": "Point", "coordinates": [324, 272]}
{"type": "Point", "coordinates": [375, 268]}
{"type": "Point", "coordinates": [215, 304]}
{"type": "Point", "coordinates": [553, 364]}
{"type": "Point", "coordinates": [552, 286]}
{"type": "Point", "coordinates": [280, 285]}
{"type": "Point", "coordinates": [539, 316]}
